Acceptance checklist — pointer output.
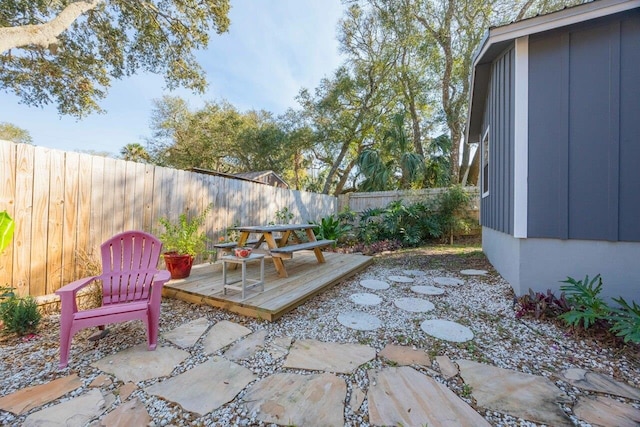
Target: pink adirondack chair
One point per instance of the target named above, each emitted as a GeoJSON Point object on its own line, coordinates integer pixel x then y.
{"type": "Point", "coordinates": [131, 289]}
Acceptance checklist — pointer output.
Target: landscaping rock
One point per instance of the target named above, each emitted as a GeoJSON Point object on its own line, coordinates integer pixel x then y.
{"type": "Point", "coordinates": [302, 400]}
{"type": "Point", "coordinates": [222, 334]}
{"type": "Point", "coordinates": [28, 398]}
{"type": "Point", "coordinates": [414, 305]}
{"type": "Point", "coordinates": [447, 330]}
{"type": "Point", "coordinates": [448, 281]}
{"type": "Point", "coordinates": [594, 381]}
{"type": "Point", "coordinates": [187, 335]}
{"type": "Point", "coordinates": [76, 412]}
{"type": "Point", "coordinates": [365, 299]}
{"type": "Point", "coordinates": [531, 397]}
{"type": "Point", "coordinates": [403, 355]}
{"type": "Point", "coordinates": [606, 412]}
{"type": "Point", "coordinates": [374, 284]}
{"type": "Point", "coordinates": [427, 290]}
{"type": "Point", "coordinates": [138, 364]}
{"type": "Point", "coordinates": [328, 356]}
{"type": "Point", "coordinates": [359, 320]}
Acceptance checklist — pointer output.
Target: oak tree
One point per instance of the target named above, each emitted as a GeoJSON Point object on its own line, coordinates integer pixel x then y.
{"type": "Point", "coordinates": [67, 52]}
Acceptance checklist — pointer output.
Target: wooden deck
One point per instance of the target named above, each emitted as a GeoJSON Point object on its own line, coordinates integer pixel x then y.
{"type": "Point", "coordinates": [306, 278]}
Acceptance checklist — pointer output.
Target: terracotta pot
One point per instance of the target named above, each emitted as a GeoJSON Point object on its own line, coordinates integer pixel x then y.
{"type": "Point", "coordinates": [179, 265]}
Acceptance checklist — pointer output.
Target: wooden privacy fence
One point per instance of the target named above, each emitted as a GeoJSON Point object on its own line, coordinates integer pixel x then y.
{"type": "Point", "coordinates": [360, 202]}
{"type": "Point", "coordinates": [65, 202]}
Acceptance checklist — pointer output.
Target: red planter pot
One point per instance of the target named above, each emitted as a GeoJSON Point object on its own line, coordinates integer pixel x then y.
{"type": "Point", "coordinates": [178, 265]}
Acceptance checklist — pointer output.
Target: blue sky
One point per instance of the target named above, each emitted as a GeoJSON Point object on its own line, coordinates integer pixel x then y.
{"type": "Point", "coordinates": [272, 50]}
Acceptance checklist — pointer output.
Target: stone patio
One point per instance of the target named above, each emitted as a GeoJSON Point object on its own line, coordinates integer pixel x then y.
{"type": "Point", "coordinates": [396, 395]}
{"type": "Point", "coordinates": [405, 387]}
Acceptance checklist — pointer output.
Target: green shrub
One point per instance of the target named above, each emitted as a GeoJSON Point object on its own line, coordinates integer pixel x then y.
{"type": "Point", "coordinates": [183, 236]}
{"type": "Point", "coordinates": [452, 208]}
{"type": "Point", "coordinates": [587, 307]}
{"type": "Point", "coordinates": [20, 315]}
{"type": "Point", "coordinates": [626, 321]}
{"type": "Point", "coordinates": [331, 228]}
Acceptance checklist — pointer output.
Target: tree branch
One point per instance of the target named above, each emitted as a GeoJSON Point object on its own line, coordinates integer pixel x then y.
{"type": "Point", "coordinates": [44, 34]}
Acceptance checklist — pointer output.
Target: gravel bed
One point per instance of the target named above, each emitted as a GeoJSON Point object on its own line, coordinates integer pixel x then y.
{"type": "Point", "coordinates": [485, 304]}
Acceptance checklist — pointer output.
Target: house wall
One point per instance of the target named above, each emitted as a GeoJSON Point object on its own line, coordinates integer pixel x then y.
{"type": "Point", "coordinates": [541, 264]}
{"type": "Point", "coordinates": [584, 131]}
{"type": "Point", "coordinates": [497, 207]}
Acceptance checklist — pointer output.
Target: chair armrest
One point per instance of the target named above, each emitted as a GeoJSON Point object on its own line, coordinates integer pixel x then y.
{"type": "Point", "coordinates": [162, 276]}
{"type": "Point", "coordinates": [73, 287]}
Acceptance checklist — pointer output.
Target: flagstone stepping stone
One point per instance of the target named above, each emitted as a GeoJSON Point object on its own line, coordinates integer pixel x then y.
{"type": "Point", "coordinates": [301, 400]}
{"type": "Point", "coordinates": [101, 381]}
{"type": "Point", "coordinates": [473, 272]}
{"type": "Point", "coordinates": [400, 279]}
{"type": "Point", "coordinates": [279, 347]}
{"type": "Point", "coordinates": [365, 299]}
{"type": "Point", "coordinates": [447, 330]}
{"type": "Point", "coordinates": [187, 335]}
{"type": "Point", "coordinates": [315, 355]}
{"type": "Point", "coordinates": [24, 400]}
{"type": "Point", "coordinates": [448, 369]}
{"type": "Point", "coordinates": [132, 413]}
{"type": "Point", "coordinates": [374, 284]}
{"type": "Point", "coordinates": [448, 281]}
{"type": "Point", "coordinates": [418, 273]}
{"type": "Point", "coordinates": [222, 334]}
{"type": "Point", "coordinates": [414, 305]}
{"type": "Point", "coordinates": [359, 320]}
{"type": "Point", "coordinates": [593, 381]}
{"type": "Point", "coordinates": [427, 290]}
{"type": "Point", "coordinates": [76, 412]}
{"type": "Point", "coordinates": [403, 355]}
{"type": "Point", "coordinates": [606, 412]}
{"type": "Point", "coordinates": [404, 396]}
{"type": "Point", "coordinates": [248, 347]}
{"type": "Point", "coordinates": [356, 399]}
{"type": "Point", "coordinates": [521, 395]}
{"type": "Point", "coordinates": [139, 364]}
{"type": "Point", "coordinates": [206, 387]}
{"type": "Point", "coordinates": [125, 391]}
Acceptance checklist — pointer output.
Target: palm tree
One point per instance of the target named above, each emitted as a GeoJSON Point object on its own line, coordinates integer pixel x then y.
{"type": "Point", "coordinates": [135, 152]}
{"type": "Point", "coordinates": [393, 165]}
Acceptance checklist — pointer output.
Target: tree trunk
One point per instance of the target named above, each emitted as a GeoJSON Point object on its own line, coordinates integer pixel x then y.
{"type": "Point", "coordinates": [474, 169]}
{"type": "Point", "coordinates": [44, 35]}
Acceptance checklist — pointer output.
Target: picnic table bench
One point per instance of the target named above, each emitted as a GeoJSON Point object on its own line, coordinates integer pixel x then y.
{"type": "Point", "coordinates": [287, 251]}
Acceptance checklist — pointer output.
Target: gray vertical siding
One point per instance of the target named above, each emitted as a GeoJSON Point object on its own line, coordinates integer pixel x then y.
{"type": "Point", "coordinates": [584, 131]}
{"type": "Point", "coordinates": [497, 207]}
{"type": "Point", "coordinates": [629, 204]}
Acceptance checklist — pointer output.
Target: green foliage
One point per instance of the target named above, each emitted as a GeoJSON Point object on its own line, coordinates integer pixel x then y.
{"type": "Point", "coordinates": [11, 132]}
{"type": "Point", "coordinates": [19, 315]}
{"type": "Point", "coordinates": [135, 152]}
{"type": "Point", "coordinates": [110, 40]}
{"type": "Point", "coordinates": [587, 307]}
{"type": "Point", "coordinates": [452, 208]}
{"type": "Point", "coordinates": [7, 226]}
{"type": "Point", "coordinates": [332, 228]}
{"type": "Point", "coordinates": [626, 321]}
{"type": "Point", "coordinates": [183, 236]}
{"type": "Point", "coordinates": [283, 216]}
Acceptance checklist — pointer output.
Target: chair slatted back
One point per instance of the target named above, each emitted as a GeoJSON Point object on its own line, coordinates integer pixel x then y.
{"type": "Point", "coordinates": [129, 262]}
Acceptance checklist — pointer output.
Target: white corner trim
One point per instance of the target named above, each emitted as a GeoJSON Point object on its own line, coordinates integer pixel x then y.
{"type": "Point", "coordinates": [521, 138]}
{"type": "Point", "coordinates": [481, 148]}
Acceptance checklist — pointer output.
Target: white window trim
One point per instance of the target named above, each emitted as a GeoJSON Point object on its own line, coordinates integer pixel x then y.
{"type": "Point", "coordinates": [485, 136]}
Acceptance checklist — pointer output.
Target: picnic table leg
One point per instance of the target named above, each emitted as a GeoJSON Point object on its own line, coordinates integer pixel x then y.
{"type": "Point", "coordinates": [271, 242]}
{"type": "Point", "coordinates": [317, 251]}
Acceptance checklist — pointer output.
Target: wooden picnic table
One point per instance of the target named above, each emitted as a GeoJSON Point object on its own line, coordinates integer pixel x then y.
{"type": "Point", "coordinates": [284, 246]}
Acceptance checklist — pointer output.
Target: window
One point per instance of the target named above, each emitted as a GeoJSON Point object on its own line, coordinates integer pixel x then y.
{"type": "Point", "coordinates": [485, 164]}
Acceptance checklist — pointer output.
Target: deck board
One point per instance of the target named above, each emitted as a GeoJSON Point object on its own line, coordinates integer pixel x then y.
{"type": "Point", "coordinates": [306, 278]}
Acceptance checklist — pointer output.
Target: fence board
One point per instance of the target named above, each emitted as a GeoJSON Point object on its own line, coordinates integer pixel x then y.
{"type": "Point", "coordinates": [71, 217]}
{"type": "Point", "coordinates": [97, 199]}
{"type": "Point", "coordinates": [39, 225]}
{"type": "Point", "coordinates": [7, 203]}
{"type": "Point", "coordinates": [83, 209]}
{"type": "Point", "coordinates": [54, 232]}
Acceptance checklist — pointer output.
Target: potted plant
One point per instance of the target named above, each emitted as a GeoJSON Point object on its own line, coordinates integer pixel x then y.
{"type": "Point", "coordinates": [183, 241]}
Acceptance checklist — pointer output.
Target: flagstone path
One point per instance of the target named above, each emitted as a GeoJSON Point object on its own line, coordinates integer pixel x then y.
{"type": "Point", "coordinates": [320, 385]}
